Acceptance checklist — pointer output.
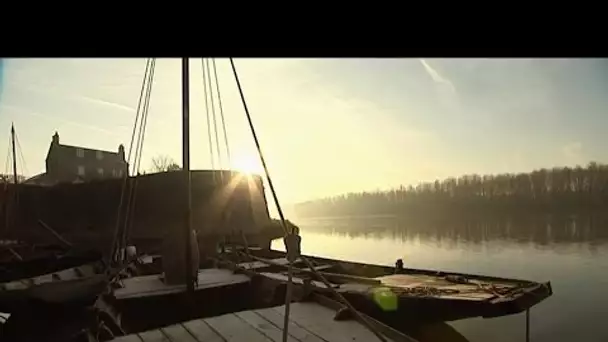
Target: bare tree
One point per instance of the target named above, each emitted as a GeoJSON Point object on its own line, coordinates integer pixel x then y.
{"type": "Point", "coordinates": [4, 178]}
{"type": "Point", "coordinates": [163, 163]}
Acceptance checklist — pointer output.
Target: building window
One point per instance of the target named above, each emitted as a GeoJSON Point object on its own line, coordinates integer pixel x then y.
{"type": "Point", "coordinates": [99, 155]}
{"type": "Point", "coordinates": [100, 172]}
{"type": "Point", "coordinates": [79, 153]}
{"type": "Point", "coordinates": [81, 170]}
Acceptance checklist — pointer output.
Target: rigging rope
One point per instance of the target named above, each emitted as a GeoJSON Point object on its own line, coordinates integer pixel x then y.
{"type": "Point", "coordinates": [138, 155]}
{"type": "Point", "coordinates": [22, 158]}
{"type": "Point", "coordinates": [217, 140]}
{"type": "Point", "coordinates": [5, 180]}
{"type": "Point", "coordinates": [8, 158]}
{"type": "Point", "coordinates": [115, 247]}
{"type": "Point", "coordinates": [207, 114]}
{"type": "Point", "coordinates": [288, 233]}
{"type": "Point", "coordinates": [289, 289]}
{"type": "Point", "coordinates": [219, 100]}
{"type": "Point", "coordinates": [221, 183]}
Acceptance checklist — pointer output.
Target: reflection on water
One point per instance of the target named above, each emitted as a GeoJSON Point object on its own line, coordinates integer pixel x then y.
{"type": "Point", "coordinates": [572, 254]}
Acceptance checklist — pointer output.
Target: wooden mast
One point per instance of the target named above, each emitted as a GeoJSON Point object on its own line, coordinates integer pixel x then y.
{"type": "Point", "coordinates": [14, 153]}
{"type": "Point", "coordinates": [186, 169]}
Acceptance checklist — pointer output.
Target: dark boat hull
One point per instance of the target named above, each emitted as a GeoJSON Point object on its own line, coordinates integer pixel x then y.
{"type": "Point", "coordinates": [53, 261]}
{"type": "Point", "coordinates": [76, 286]}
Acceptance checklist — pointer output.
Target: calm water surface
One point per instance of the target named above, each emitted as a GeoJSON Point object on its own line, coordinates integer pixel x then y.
{"type": "Point", "coordinates": [573, 257]}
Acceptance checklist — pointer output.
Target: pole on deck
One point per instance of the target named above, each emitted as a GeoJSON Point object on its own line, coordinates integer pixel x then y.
{"type": "Point", "coordinates": [186, 169]}
{"type": "Point", "coordinates": [14, 153]}
{"type": "Point", "coordinates": [527, 325]}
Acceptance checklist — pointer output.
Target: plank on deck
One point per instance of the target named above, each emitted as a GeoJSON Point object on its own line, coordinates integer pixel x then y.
{"type": "Point", "coordinates": [152, 336]}
{"type": "Point", "coordinates": [309, 322]}
{"type": "Point", "coordinates": [253, 265]}
{"type": "Point", "coordinates": [152, 285]}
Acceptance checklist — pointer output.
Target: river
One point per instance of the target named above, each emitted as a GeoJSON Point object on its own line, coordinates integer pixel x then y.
{"type": "Point", "coordinates": [573, 256]}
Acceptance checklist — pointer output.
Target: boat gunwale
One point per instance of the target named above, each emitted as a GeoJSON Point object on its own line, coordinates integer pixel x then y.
{"type": "Point", "coordinates": [525, 289]}
{"type": "Point", "coordinates": [523, 284]}
{"type": "Point", "coordinates": [486, 308]}
{"type": "Point", "coordinates": [95, 265]}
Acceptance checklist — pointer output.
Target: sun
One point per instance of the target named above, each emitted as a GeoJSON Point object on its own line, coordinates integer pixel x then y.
{"type": "Point", "coordinates": [248, 164]}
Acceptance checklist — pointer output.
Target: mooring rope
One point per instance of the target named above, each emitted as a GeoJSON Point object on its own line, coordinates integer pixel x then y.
{"type": "Point", "coordinates": [289, 234]}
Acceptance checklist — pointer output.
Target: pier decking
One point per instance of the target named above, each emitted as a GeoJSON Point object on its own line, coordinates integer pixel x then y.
{"type": "Point", "coordinates": [309, 322]}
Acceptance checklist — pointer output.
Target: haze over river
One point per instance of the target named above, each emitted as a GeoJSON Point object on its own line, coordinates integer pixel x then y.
{"type": "Point", "coordinates": [573, 255]}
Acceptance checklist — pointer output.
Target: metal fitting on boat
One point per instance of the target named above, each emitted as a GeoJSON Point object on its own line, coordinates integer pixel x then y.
{"type": "Point", "coordinates": [292, 245]}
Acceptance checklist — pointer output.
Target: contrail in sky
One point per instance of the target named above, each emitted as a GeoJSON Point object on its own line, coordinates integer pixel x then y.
{"type": "Point", "coordinates": [436, 76]}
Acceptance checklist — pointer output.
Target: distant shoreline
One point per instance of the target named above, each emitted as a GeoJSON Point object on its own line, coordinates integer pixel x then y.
{"type": "Point", "coordinates": [558, 191]}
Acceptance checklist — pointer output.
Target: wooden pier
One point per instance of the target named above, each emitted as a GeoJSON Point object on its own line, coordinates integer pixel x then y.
{"type": "Point", "coordinates": [146, 302]}
{"type": "Point", "coordinates": [309, 322]}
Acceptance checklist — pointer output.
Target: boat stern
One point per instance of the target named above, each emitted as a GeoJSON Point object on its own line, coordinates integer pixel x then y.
{"type": "Point", "coordinates": [520, 301]}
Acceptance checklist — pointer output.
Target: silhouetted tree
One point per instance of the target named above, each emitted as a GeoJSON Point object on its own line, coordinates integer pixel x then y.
{"type": "Point", "coordinates": [164, 163]}
{"type": "Point", "coordinates": [9, 178]}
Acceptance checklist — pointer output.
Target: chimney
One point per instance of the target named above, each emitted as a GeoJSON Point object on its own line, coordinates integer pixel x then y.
{"type": "Point", "coordinates": [56, 138]}
{"type": "Point", "coordinates": [121, 151]}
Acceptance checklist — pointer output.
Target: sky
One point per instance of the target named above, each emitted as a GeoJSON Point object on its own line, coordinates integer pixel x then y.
{"type": "Point", "coordinates": [326, 126]}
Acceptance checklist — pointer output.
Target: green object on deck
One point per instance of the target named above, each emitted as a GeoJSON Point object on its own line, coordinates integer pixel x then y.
{"type": "Point", "coordinates": [385, 298]}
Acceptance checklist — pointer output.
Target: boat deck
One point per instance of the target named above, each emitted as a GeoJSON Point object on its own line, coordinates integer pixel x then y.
{"type": "Point", "coordinates": [418, 285]}
{"type": "Point", "coordinates": [153, 285]}
{"type": "Point", "coordinates": [309, 322]}
{"type": "Point", "coordinates": [411, 283]}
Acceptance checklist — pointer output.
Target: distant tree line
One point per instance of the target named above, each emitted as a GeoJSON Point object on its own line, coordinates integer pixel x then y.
{"type": "Point", "coordinates": [562, 190]}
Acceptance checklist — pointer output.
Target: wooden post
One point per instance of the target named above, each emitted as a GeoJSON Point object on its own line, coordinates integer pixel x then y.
{"type": "Point", "coordinates": [186, 169]}
{"type": "Point", "coordinates": [528, 325]}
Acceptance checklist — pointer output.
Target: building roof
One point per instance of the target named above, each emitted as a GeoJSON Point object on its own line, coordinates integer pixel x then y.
{"type": "Point", "coordinates": [107, 155]}
{"type": "Point", "coordinates": [88, 149]}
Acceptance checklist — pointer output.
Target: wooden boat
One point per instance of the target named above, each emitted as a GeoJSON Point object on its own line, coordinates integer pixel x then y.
{"type": "Point", "coordinates": [78, 285]}
{"type": "Point", "coordinates": [395, 295]}
{"type": "Point", "coordinates": [51, 261]}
